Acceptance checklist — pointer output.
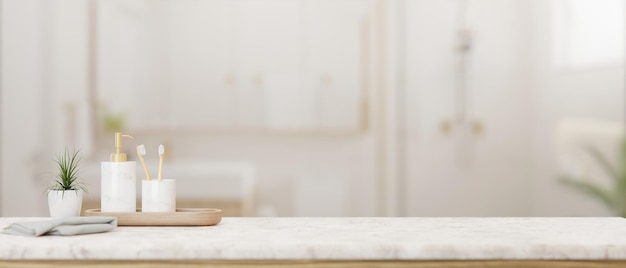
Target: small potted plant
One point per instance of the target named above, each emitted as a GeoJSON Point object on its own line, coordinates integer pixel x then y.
{"type": "Point", "coordinates": [65, 196]}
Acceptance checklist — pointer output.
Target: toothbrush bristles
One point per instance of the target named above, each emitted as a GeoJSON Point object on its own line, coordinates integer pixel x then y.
{"type": "Point", "coordinates": [142, 150]}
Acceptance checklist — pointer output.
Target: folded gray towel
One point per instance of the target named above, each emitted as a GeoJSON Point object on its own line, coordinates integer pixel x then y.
{"type": "Point", "coordinates": [63, 226]}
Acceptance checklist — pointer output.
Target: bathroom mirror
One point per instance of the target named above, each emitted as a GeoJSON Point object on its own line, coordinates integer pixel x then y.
{"type": "Point", "coordinates": [212, 65]}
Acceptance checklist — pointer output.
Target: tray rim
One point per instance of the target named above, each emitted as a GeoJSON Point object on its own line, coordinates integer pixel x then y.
{"type": "Point", "coordinates": [139, 212]}
{"type": "Point", "coordinates": [191, 216]}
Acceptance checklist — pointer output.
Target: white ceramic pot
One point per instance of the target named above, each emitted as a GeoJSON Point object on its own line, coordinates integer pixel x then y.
{"type": "Point", "coordinates": [65, 203]}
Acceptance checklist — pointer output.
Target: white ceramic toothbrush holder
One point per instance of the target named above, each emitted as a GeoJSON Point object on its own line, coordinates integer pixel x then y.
{"type": "Point", "coordinates": [158, 196]}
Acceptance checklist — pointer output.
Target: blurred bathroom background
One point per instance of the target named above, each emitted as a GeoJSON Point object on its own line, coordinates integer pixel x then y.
{"type": "Point", "coordinates": [319, 107]}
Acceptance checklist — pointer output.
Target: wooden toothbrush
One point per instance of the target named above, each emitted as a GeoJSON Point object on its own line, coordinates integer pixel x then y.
{"type": "Point", "coordinates": [161, 153]}
{"type": "Point", "coordinates": [141, 151]}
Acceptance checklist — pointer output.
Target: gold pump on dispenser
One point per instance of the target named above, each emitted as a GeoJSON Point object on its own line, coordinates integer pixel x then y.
{"type": "Point", "coordinates": [118, 156]}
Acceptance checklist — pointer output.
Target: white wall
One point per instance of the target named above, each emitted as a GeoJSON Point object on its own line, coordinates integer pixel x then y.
{"type": "Point", "coordinates": [596, 93]}
{"type": "Point", "coordinates": [44, 106]}
{"type": "Point", "coordinates": [516, 94]}
{"type": "Point", "coordinates": [22, 107]}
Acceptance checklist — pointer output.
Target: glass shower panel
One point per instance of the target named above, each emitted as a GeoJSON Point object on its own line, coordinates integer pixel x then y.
{"type": "Point", "coordinates": [485, 101]}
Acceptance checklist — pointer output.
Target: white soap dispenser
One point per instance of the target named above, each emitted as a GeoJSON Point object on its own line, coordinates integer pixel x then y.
{"type": "Point", "coordinates": [119, 181]}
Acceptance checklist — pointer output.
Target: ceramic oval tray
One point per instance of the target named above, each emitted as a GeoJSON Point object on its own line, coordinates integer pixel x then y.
{"type": "Point", "coordinates": [182, 217]}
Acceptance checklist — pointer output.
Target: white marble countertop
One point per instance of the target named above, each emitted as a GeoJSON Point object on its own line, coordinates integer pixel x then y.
{"type": "Point", "coordinates": [339, 239]}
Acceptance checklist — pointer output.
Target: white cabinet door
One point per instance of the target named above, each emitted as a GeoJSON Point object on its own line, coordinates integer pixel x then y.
{"type": "Point", "coordinates": [268, 62]}
{"type": "Point", "coordinates": [199, 51]}
{"type": "Point", "coordinates": [335, 40]}
{"type": "Point", "coordinates": [164, 63]}
{"type": "Point", "coordinates": [247, 64]}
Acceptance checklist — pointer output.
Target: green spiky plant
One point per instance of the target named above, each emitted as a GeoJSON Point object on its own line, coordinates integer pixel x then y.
{"type": "Point", "coordinates": [67, 177]}
{"type": "Point", "coordinates": [614, 196]}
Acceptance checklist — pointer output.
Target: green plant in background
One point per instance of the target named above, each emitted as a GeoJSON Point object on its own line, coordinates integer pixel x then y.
{"type": "Point", "coordinates": [111, 121]}
{"type": "Point", "coordinates": [614, 197]}
{"type": "Point", "coordinates": [114, 122]}
{"type": "Point", "coordinates": [67, 177]}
